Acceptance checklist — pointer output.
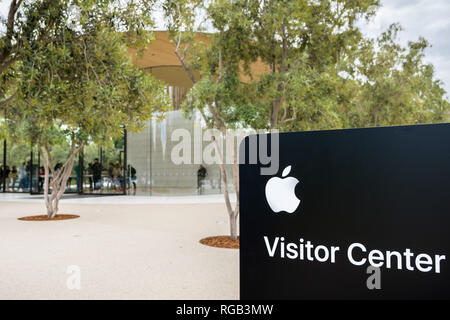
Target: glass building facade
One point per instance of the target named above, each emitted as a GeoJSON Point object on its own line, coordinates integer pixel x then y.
{"type": "Point", "coordinates": [156, 172]}
{"type": "Point", "coordinates": [138, 164]}
{"type": "Point", "coordinates": [21, 170]}
{"type": "Point", "coordinates": [141, 162]}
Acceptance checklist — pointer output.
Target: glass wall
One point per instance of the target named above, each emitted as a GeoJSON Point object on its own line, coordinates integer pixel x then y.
{"type": "Point", "coordinates": [150, 169]}
{"type": "Point", "coordinates": [14, 167]}
{"type": "Point", "coordinates": [96, 170]}
{"type": "Point", "coordinates": [153, 172]}
{"type": "Point", "coordinates": [18, 157]}
{"type": "Point", "coordinates": [103, 168]}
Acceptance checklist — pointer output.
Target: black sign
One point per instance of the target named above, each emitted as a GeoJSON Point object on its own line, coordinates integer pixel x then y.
{"type": "Point", "coordinates": [343, 201]}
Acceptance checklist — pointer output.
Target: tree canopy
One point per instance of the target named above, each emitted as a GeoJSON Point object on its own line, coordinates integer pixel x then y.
{"type": "Point", "coordinates": [70, 78]}
{"type": "Point", "coordinates": [323, 72]}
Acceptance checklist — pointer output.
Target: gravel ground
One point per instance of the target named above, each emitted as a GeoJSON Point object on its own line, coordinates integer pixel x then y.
{"type": "Point", "coordinates": [132, 251]}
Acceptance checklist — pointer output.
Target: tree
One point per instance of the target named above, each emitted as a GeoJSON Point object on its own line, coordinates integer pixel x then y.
{"type": "Point", "coordinates": [305, 44]}
{"type": "Point", "coordinates": [81, 87]}
{"type": "Point", "coordinates": [295, 39]}
{"type": "Point", "coordinates": [218, 93]}
{"type": "Point", "coordinates": [325, 74]}
{"type": "Point", "coordinates": [31, 25]}
{"type": "Point", "coordinates": [322, 72]}
{"type": "Point", "coordinates": [397, 86]}
{"type": "Point", "coordinates": [383, 84]}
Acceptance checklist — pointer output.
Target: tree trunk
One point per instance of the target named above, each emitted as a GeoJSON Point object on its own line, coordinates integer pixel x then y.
{"type": "Point", "coordinates": [59, 179]}
{"type": "Point", "coordinates": [375, 115]}
{"type": "Point", "coordinates": [233, 227]}
{"type": "Point", "coordinates": [274, 113]}
{"type": "Point", "coordinates": [233, 219]}
{"type": "Point", "coordinates": [275, 108]}
{"type": "Point", "coordinates": [232, 214]}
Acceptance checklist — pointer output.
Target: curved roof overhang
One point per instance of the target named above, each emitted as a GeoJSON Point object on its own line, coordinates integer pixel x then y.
{"type": "Point", "coordinates": [159, 59]}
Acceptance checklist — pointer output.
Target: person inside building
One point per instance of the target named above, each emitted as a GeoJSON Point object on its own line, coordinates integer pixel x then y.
{"type": "Point", "coordinates": [201, 175]}
{"type": "Point", "coordinates": [6, 173]}
{"type": "Point", "coordinates": [110, 175]}
{"type": "Point", "coordinates": [131, 173]}
{"type": "Point", "coordinates": [13, 176]}
{"type": "Point", "coordinates": [28, 181]}
{"type": "Point", "coordinates": [97, 174]}
{"type": "Point", "coordinates": [117, 176]}
{"type": "Point", "coordinates": [88, 173]}
{"type": "Point", "coordinates": [41, 177]}
{"type": "Point", "coordinates": [22, 177]}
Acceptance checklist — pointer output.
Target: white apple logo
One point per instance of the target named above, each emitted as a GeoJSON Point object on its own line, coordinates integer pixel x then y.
{"type": "Point", "coordinates": [280, 193]}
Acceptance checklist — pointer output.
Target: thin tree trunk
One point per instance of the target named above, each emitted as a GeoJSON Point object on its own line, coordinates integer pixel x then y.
{"type": "Point", "coordinates": [274, 112]}
{"type": "Point", "coordinates": [377, 110]}
{"type": "Point", "coordinates": [233, 220]}
{"type": "Point", "coordinates": [275, 108]}
{"type": "Point", "coordinates": [232, 214]}
{"type": "Point", "coordinates": [233, 227]}
{"type": "Point", "coordinates": [46, 184]}
{"type": "Point", "coordinates": [59, 180]}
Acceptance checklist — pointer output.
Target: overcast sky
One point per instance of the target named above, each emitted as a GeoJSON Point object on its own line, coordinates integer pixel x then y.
{"type": "Point", "coordinates": [426, 18]}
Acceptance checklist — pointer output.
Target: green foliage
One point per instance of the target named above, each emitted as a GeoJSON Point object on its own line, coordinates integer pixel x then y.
{"type": "Point", "coordinates": [74, 79]}
{"type": "Point", "coordinates": [322, 72]}
{"type": "Point", "coordinates": [398, 87]}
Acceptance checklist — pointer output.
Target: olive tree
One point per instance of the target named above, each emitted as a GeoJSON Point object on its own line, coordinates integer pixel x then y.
{"type": "Point", "coordinates": [217, 63]}
{"type": "Point", "coordinates": [82, 85]}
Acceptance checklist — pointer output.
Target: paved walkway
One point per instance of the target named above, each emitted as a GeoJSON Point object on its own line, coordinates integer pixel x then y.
{"type": "Point", "coordinates": [125, 248]}
{"type": "Point", "coordinates": [117, 199]}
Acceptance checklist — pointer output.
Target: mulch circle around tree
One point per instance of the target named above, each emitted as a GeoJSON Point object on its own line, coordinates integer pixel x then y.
{"type": "Point", "coordinates": [221, 242]}
{"type": "Point", "coordinates": [46, 218]}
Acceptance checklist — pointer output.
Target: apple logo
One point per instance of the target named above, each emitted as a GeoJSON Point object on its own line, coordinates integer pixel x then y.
{"type": "Point", "coordinates": [280, 193]}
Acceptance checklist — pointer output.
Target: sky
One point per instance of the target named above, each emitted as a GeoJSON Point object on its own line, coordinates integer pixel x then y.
{"type": "Point", "coordinates": [426, 18]}
{"type": "Point", "coordinates": [429, 19]}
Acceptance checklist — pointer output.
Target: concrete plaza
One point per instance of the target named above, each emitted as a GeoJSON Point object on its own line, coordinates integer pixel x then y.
{"type": "Point", "coordinates": [124, 247]}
